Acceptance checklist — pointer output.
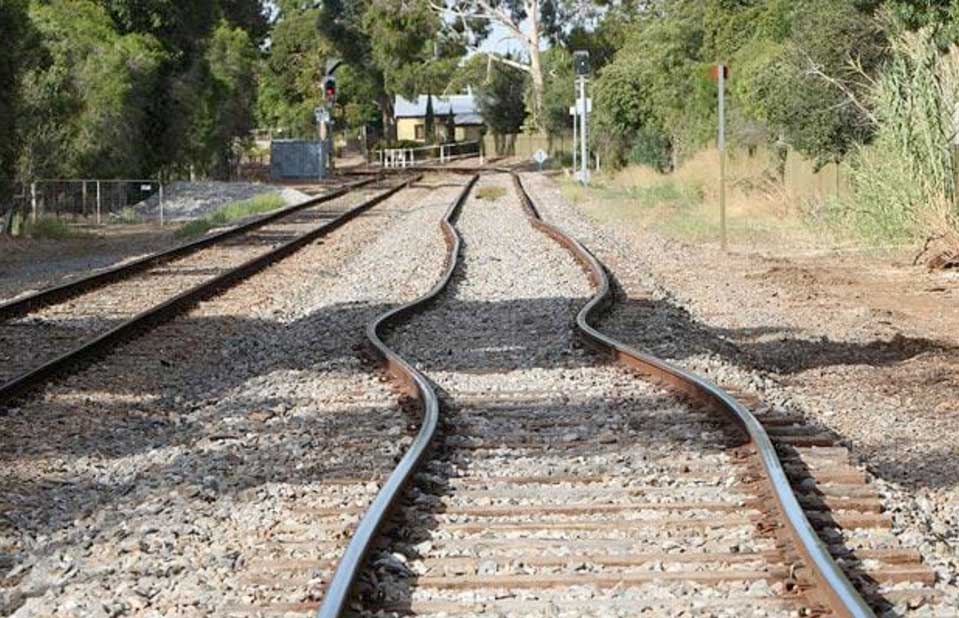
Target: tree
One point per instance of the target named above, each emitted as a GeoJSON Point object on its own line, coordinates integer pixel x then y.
{"type": "Point", "coordinates": [230, 96]}
{"type": "Point", "coordinates": [291, 84]}
{"type": "Point", "coordinates": [16, 33]}
{"type": "Point", "coordinates": [499, 90]}
{"type": "Point", "coordinates": [84, 103]}
{"type": "Point", "coordinates": [802, 86]}
{"type": "Point", "coordinates": [471, 19]}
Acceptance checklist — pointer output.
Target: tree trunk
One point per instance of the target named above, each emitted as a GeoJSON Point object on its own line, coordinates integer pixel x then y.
{"type": "Point", "coordinates": [535, 64]}
{"type": "Point", "coordinates": [386, 111]}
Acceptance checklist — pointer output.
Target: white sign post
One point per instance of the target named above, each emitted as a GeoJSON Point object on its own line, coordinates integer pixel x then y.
{"type": "Point", "coordinates": [584, 132]}
{"type": "Point", "coordinates": [540, 157]}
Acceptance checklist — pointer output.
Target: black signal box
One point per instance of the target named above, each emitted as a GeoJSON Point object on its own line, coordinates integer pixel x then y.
{"type": "Point", "coordinates": [581, 62]}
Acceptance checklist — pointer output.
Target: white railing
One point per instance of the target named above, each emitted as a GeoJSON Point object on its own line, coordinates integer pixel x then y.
{"type": "Point", "coordinates": [441, 153]}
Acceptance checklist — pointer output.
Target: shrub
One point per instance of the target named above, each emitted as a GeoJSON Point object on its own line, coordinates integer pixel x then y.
{"type": "Point", "coordinates": [49, 228]}
{"type": "Point", "coordinates": [905, 180]}
{"type": "Point", "coordinates": [651, 147]}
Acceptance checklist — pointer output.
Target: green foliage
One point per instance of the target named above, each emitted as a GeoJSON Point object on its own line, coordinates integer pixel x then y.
{"type": "Point", "coordinates": [651, 148]}
{"type": "Point", "coordinates": [291, 82]}
{"type": "Point", "coordinates": [228, 99]}
{"type": "Point", "coordinates": [127, 216]}
{"type": "Point", "coordinates": [801, 88]}
{"type": "Point", "coordinates": [84, 104]}
{"type": "Point", "coordinates": [499, 91]}
{"type": "Point", "coordinates": [905, 182]}
{"type": "Point", "coordinates": [48, 228]}
{"type": "Point", "coordinates": [16, 33]}
{"type": "Point", "coordinates": [558, 89]}
{"type": "Point", "coordinates": [227, 214]}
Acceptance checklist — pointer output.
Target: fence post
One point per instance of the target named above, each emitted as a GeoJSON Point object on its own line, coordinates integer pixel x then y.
{"type": "Point", "coordinates": [161, 202]}
{"type": "Point", "coordinates": [33, 201]}
{"type": "Point", "coordinates": [99, 202]}
{"type": "Point", "coordinates": [84, 185]}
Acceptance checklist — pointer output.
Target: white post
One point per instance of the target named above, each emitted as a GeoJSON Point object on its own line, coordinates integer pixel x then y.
{"type": "Point", "coordinates": [33, 201]}
{"type": "Point", "coordinates": [575, 115]}
{"type": "Point", "coordinates": [84, 207]}
{"type": "Point", "coordinates": [722, 153]}
{"type": "Point", "coordinates": [99, 202]}
{"type": "Point", "coordinates": [584, 133]}
{"type": "Point", "coordinates": [161, 202]}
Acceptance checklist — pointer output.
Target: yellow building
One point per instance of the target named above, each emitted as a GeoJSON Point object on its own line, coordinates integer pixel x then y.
{"type": "Point", "coordinates": [455, 118]}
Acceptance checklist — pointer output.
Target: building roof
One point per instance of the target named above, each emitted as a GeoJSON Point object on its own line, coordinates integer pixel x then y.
{"type": "Point", "coordinates": [463, 106]}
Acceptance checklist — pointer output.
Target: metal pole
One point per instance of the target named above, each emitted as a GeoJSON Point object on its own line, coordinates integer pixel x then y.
{"type": "Point", "coordinates": [583, 133]}
{"type": "Point", "coordinates": [575, 143]}
{"type": "Point", "coordinates": [33, 201]}
{"type": "Point", "coordinates": [99, 202]}
{"type": "Point", "coordinates": [722, 153]}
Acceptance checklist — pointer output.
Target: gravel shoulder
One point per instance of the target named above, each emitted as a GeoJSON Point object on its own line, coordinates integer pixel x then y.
{"type": "Point", "coordinates": [184, 474]}
{"type": "Point", "coordinates": [864, 348]}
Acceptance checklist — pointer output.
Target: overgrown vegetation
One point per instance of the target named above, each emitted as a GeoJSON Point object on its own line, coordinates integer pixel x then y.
{"type": "Point", "coordinates": [237, 210]}
{"type": "Point", "coordinates": [905, 181]}
{"type": "Point", "coordinates": [48, 228]}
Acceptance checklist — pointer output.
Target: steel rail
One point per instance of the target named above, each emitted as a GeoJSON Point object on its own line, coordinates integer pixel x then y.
{"type": "Point", "coordinates": [833, 587]}
{"type": "Point", "coordinates": [171, 307]}
{"type": "Point", "coordinates": [338, 590]}
{"type": "Point", "coordinates": [60, 293]}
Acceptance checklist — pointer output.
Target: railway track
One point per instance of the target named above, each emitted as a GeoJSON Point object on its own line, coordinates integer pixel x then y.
{"type": "Point", "coordinates": [44, 334]}
{"type": "Point", "coordinates": [186, 472]}
{"type": "Point", "coordinates": [556, 483]}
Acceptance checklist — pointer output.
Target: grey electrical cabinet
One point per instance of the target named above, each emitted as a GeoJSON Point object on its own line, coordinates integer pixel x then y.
{"type": "Point", "coordinates": [292, 159]}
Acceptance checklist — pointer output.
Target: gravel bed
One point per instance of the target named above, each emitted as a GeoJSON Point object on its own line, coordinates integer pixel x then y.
{"type": "Point", "coordinates": [41, 335]}
{"type": "Point", "coordinates": [215, 464]}
{"type": "Point", "coordinates": [744, 334]}
{"type": "Point", "coordinates": [534, 424]}
{"type": "Point", "coordinates": [29, 265]}
{"type": "Point", "coordinates": [183, 200]}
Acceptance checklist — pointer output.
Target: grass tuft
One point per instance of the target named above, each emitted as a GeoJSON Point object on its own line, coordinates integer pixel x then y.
{"type": "Point", "coordinates": [490, 193]}
{"type": "Point", "coordinates": [49, 228]}
{"type": "Point", "coordinates": [227, 214]}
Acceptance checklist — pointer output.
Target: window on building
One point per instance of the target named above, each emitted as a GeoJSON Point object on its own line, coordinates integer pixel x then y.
{"type": "Point", "coordinates": [420, 131]}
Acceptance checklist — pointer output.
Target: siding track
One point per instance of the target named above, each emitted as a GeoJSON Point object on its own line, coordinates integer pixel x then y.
{"type": "Point", "coordinates": [47, 333]}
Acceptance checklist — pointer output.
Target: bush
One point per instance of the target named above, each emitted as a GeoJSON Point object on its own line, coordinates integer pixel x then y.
{"type": "Point", "coordinates": [651, 148]}
{"type": "Point", "coordinates": [49, 228]}
{"type": "Point", "coordinates": [904, 183]}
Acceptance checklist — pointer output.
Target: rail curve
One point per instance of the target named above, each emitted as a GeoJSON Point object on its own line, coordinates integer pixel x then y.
{"type": "Point", "coordinates": [828, 584]}
{"type": "Point", "coordinates": [415, 384]}
{"type": "Point", "coordinates": [833, 588]}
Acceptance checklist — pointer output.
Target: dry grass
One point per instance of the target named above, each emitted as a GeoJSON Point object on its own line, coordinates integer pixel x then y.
{"type": "Point", "coordinates": [490, 193]}
{"type": "Point", "coordinates": [761, 213]}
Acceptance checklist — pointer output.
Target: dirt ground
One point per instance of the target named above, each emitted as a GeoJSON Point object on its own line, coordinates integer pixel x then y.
{"type": "Point", "coordinates": [865, 345]}
{"type": "Point", "coordinates": [29, 265]}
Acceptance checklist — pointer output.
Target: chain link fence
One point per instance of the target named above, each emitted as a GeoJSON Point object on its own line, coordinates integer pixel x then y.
{"type": "Point", "coordinates": [89, 201]}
